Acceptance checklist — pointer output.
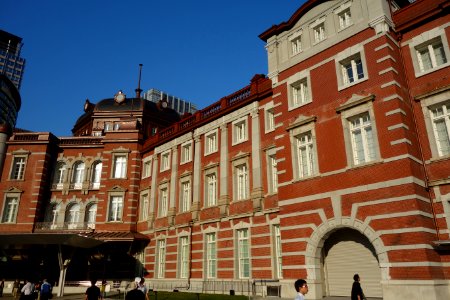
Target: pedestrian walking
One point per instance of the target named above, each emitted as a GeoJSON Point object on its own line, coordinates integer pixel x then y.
{"type": "Point", "coordinates": [357, 292]}
{"type": "Point", "coordinates": [2, 286]}
{"type": "Point", "coordinates": [46, 290]}
{"type": "Point", "coordinates": [302, 289]}
{"type": "Point", "coordinates": [27, 291]}
{"type": "Point", "coordinates": [93, 292]}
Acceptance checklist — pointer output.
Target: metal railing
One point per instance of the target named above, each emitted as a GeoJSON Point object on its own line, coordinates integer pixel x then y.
{"type": "Point", "coordinates": [49, 226]}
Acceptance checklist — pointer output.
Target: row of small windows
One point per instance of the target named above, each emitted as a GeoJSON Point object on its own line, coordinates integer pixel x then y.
{"type": "Point", "coordinates": [242, 261]}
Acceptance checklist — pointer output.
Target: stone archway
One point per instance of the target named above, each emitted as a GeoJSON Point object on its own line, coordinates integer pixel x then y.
{"type": "Point", "coordinates": [315, 249]}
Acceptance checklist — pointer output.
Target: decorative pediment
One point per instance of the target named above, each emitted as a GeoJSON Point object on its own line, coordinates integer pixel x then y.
{"type": "Point", "coordinates": [117, 188]}
{"type": "Point", "coordinates": [300, 121]}
{"type": "Point", "coordinates": [355, 100]}
{"type": "Point", "coordinates": [21, 151]}
{"type": "Point", "coordinates": [240, 155]}
{"type": "Point", "coordinates": [13, 189]}
{"type": "Point", "coordinates": [241, 225]}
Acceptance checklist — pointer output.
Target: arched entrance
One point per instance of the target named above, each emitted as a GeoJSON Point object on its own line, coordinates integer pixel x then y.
{"type": "Point", "coordinates": [347, 252]}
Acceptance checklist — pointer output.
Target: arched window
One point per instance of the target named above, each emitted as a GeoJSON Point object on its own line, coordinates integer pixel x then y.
{"type": "Point", "coordinates": [96, 174]}
{"type": "Point", "coordinates": [91, 212]}
{"type": "Point", "coordinates": [59, 175]}
{"type": "Point", "coordinates": [72, 215]}
{"type": "Point", "coordinates": [51, 217]}
{"type": "Point", "coordinates": [78, 175]}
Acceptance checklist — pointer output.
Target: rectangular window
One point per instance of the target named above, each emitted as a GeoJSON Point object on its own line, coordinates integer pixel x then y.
{"type": "Point", "coordinates": [300, 93]}
{"type": "Point", "coordinates": [184, 257]}
{"type": "Point", "coordinates": [241, 182]}
{"type": "Point", "coordinates": [146, 168]}
{"type": "Point", "coordinates": [210, 143]}
{"type": "Point", "coordinates": [243, 254]}
{"type": "Point", "coordinates": [165, 161]}
{"type": "Point", "coordinates": [345, 18]}
{"type": "Point", "coordinates": [163, 202]}
{"type": "Point", "coordinates": [273, 176]}
{"type": "Point", "coordinates": [211, 189]}
{"type": "Point", "coordinates": [10, 210]}
{"type": "Point", "coordinates": [161, 263]}
{"type": "Point", "coordinates": [120, 166]}
{"type": "Point", "coordinates": [440, 116]}
{"type": "Point", "coordinates": [186, 152]}
{"type": "Point", "coordinates": [305, 154]}
{"type": "Point", "coordinates": [270, 119]}
{"type": "Point", "coordinates": [115, 209]}
{"type": "Point", "coordinates": [185, 196]}
{"type": "Point", "coordinates": [278, 257]}
{"type": "Point", "coordinates": [240, 131]}
{"type": "Point", "coordinates": [144, 207]}
{"type": "Point", "coordinates": [18, 168]}
{"type": "Point", "coordinates": [431, 54]}
{"type": "Point", "coordinates": [352, 69]}
{"type": "Point", "coordinates": [362, 139]}
{"type": "Point", "coordinates": [319, 32]}
{"type": "Point", "coordinates": [211, 255]}
{"type": "Point", "coordinates": [296, 45]}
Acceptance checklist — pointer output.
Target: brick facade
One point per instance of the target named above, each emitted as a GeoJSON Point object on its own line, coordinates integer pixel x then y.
{"type": "Point", "coordinates": [334, 158]}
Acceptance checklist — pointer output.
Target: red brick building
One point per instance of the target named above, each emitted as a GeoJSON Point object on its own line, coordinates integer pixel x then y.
{"type": "Point", "coordinates": [337, 163]}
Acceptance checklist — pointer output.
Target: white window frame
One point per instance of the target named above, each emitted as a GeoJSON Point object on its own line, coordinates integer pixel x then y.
{"type": "Point", "coordinates": [185, 194]}
{"type": "Point", "coordinates": [243, 253]}
{"type": "Point", "coordinates": [78, 170]}
{"type": "Point", "coordinates": [278, 257]}
{"type": "Point", "coordinates": [425, 40]}
{"type": "Point", "coordinates": [344, 16]}
{"type": "Point", "coordinates": [96, 174]}
{"type": "Point", "coordinates": [119, 169]}
{"type": "Point", "coordinates": [211, 255]}
{"type": "Point", "coordinates": [115, 211]}
{"type": "Point", "coordinates": [304, 126]}
{"type": "Point", "coordinates": [59, 175]}
{"type": "Point", "coordinates": [91, 214]}
{"type": "Point", "coordinates": [349, 111]}
{"type": "Point", "coordinates": [147, 167]}
{"type": "Point", "coordinates": [211, 142]}
{"type": "Point", "coordinates": [349, 58]}
{"type": "Point", "coordinates": [163, 203]}
{"type": "Point", "coordinates": [299, 90]}
{"type": "Point", "coordinates": [241, 178]}
{"type": "Point", "coordinates": [186, 152]}
{"type": "Point", "coordinates": [184, 257]}
{"type": "Point", "coordinates": [272, 172]}
{"type": "Point", "coordinates": [165, 161]}
{"type": "Point", "coordinates": [429, 102]}
{"type": "Point", "coordinates": [211, 187]}
{"type": "Point", "coordinates": [145, 206]}
{"type": "Point", "coordinates": [318, 30]}
{"type": "Point", "coordinates": [18, 167]}
{"type": "Point", "coordinates": [269, 117]}
{"type": "Point", "coordinates": [296, 43]}
{"type": "Point", "coordinates": [161, 258]}
{"type": "Point", "coordinates": [240, 130]}
{"type": "Point", "coordinates": [73, 213]}
{"type": "Point", "coordinates": [10, 208]}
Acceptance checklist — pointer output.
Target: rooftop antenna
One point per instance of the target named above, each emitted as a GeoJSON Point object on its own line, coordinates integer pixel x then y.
{"type": "Point", "coordinates": [138, 90]}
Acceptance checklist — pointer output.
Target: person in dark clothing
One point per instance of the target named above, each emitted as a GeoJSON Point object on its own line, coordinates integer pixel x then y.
{"type": "Point", "coordinates": [93, 292]}
{"type": "Point", "coordinates": [46, 290]}
{"type": "Point", "coordinates": [135, 294]}
{"type": "Point", "coordinates": [357, 293]}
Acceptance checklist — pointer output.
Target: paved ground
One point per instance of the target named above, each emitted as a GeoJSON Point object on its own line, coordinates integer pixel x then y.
{"type": "Point", "coordinates": [81, 297]}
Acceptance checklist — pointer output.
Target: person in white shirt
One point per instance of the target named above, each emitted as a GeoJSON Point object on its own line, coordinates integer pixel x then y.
{"type": "Point", "coordinates": [302, 289]}
{"type": "Point", "coordinates": [27, 290]}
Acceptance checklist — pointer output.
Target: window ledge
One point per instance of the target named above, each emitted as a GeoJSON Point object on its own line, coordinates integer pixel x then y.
{"type": "Point", "coordinates": [366, 164]}
{"type": "Point", "coordinates": [420, 74]}
{"type": "Point", "coordinates": [345, 86]}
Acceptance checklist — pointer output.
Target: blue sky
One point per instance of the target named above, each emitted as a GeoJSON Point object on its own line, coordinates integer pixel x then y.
{"type": "Point", "coordinates": [197, 50]}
